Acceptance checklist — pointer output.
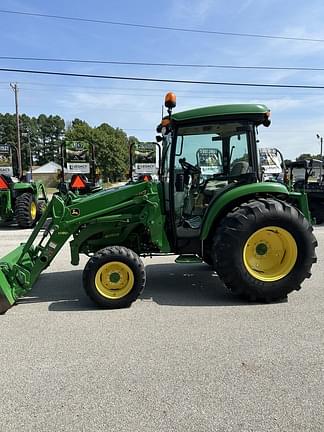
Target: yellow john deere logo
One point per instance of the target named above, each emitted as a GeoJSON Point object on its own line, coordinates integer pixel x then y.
{"type": "Point", "coordinates": [75, 212]}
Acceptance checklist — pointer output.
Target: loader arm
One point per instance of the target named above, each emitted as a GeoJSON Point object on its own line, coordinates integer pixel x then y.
{"type": "Point", "coordinates": [81, 217]}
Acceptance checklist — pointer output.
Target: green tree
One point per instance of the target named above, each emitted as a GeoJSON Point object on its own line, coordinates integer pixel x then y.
{"type": "Point", "coordinates": [8, 131]}
{"type": "Point", "coordinates": [51, 132]}
{"type": "Point", "coordinates": [45, 134]}
{"type": "Point", "coordinates": [112, 152]}
{"type": "Point", "coordinates": [8, 135]}
{"type": "Point", "coordinates": [29, 140]}
{"type": "Point", "coordinates": [79, 130]}
{"type": "Point", "coordinates": [110, 144]}
{"type": "Point", "coordinates": [310, 156]}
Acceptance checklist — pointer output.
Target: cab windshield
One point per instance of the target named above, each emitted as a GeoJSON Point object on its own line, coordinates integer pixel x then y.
{"type": "Point", "coordinates": [216, 149]}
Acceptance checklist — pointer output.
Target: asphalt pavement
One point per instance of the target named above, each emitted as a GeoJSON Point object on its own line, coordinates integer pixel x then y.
{"type": "Point", "coordinates": [187, 356]}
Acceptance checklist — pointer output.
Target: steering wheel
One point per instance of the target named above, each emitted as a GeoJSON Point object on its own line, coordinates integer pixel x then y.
{"type": "Point", "coordinates": [186, 166]}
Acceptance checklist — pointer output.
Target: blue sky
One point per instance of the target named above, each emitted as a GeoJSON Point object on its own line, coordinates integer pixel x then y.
{"type": "Point", "coordinates": [297, 115]}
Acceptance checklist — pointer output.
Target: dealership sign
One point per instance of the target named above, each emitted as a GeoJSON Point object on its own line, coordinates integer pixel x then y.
{"type": "Point", "coordinates": [78, 167]}
{"type": "Point", "coordinates": [5, 160]}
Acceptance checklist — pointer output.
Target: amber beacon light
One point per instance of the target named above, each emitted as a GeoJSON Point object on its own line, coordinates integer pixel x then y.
{"type": "Point", "coordinates": [170, 100]}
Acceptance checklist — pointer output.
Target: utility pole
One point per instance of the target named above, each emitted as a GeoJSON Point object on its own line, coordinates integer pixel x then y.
{"type": "Point", "coordinates": [321, 154]}
{"type": "Point", "coordinates": [27, 135]}
{"type": "Point", "coordinates": [14, 87]}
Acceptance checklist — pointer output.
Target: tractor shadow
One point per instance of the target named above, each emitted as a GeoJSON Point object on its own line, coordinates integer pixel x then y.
{"type": "Point", "coordinates": [11, 227]}
{"type": "Point", "coordinates": [62, 290]}
{"type": "Point", "coordinates": [167, 285]}
{"type": "Point", "coordinates": [186, 285]}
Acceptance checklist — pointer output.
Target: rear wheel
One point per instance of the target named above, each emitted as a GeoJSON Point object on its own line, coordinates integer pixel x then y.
{"type": "Point", "coordinates": [264, 249]}
{"type": "Point", "coordinates": [26, 210]}
{"type": "Point", "coordinates": [114, 277]}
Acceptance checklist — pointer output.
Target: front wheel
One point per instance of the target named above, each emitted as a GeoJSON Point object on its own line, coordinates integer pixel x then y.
{"type": "Point", "coordinates": [114, 277]}
{"type": "Point", "coordinates": [264, 249]}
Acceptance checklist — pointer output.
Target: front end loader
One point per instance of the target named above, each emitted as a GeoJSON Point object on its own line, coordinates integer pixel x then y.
{"type": "Point", "coordinates": [210, 204]}
{"type": "Point", "coordinates": [129, 217]}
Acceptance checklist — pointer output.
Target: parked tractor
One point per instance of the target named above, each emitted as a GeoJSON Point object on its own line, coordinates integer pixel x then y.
{"type": "Point", "coordinates": [21, 200]}
{"type": "Point", "coordinates": [273, 165]}
{"type": "Point", "coordinates": [143, 161]}
{"type": "Point", "coordinates": [256, 235]}
{"type": "Point", "coordinates": [309, 181]}
{"type": "Point", "coordinates": [79, 159]}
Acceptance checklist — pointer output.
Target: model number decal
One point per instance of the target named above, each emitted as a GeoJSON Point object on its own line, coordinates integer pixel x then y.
{"type": "Point", "coordinates": [75, 212]}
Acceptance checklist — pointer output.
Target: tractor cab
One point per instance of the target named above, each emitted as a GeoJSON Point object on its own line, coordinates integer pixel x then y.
{"type": "Point", "coordinates": [206, 152]}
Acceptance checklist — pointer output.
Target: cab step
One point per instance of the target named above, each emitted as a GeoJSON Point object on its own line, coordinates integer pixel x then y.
{"type": "Point", "coordinates": [189, 259]}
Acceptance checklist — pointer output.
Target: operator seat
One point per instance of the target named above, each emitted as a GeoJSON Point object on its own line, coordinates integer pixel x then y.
{"type": "Point", "coordinates": [238, 168]}
{"type": "Point", "coordinates": [213, 187]}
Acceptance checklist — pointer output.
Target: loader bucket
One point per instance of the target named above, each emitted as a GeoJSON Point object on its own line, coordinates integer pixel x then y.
{"type": "Point", "coordinates": [6, 298]}
{"type": "Point", "coordinates": [12, 282]}
{"type": "Point", "coordinates": [20, 269]}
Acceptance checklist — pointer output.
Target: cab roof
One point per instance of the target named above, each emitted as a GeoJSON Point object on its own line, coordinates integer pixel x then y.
{"type": "Point", "coordinates": [223, 111]}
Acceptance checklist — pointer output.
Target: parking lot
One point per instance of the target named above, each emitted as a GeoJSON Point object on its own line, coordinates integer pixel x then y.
{"type": "Point", "coordinates": [187, 356]}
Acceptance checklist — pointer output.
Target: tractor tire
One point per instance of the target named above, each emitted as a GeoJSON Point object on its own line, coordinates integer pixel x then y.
{"type": "Point", "coordinates": [114, 277]}
{"type": "Point", "coordinates": [26, 210]}
{"type": "Point", "coordinates": [264, 249]}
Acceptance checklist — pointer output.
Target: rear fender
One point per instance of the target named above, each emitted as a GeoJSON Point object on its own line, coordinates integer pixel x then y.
{"type": "Point", "coordinates": [37, 189]}
{"type": "Point", "coordinates": [226, 201]}
{"type": "Point", "coordinates": [40, 191]}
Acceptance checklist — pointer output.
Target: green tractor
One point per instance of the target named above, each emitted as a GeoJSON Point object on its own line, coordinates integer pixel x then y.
{"type": "Point", "coordinates": [79, 160]}
{"type": "Point", "coordinates": [256, 235]}
{"type": "Point", "coordinates": [309, 181]}
{"type": "Point", "coordinates": [21, 200]}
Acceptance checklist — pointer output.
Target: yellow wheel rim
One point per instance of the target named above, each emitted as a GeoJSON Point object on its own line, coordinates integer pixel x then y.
{"type": "Point", "coordinates": [33, 210]}
{"type": "Point", "coordinates": [114, 280]}
{"type": "Point", "coordinates": [270, 253]}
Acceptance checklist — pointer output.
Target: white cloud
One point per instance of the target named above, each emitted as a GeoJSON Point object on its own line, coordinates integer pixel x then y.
{"type": "Point", "coordinates": [245, 5]}
{"type": "Point", "coordinates": [282, 104]}
{"type": "Point", "coordinates": [290, 48]}
{"type": "Point", "coordinates": [188, 10]}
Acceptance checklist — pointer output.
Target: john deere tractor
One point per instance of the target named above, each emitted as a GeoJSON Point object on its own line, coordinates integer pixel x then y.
{"type": "Point", "coordinates": [21, 201]}
{"type": "Point", "coordinates": [208, 205]}
{"type": "Point", "coordinates": [78, 158]}
{"type": "Point", "coordinates": [310, 181]}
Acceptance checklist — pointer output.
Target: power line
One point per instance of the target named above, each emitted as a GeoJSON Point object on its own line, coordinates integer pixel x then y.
{"type": "Point", "coordinates": [236, 95]}
{"type": "Point", "coordinates": [228, 95]}
{"type": "Point", "coordinates": [156, 27]}
{"type": "Point", "coordinates": [104, 88]}
{"type": "Point", "coordinates": [138, 91]}
{"type": "Point", "coordinates": [135, 63]}
{"type": "Point", "coordinates": [162, 80]}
